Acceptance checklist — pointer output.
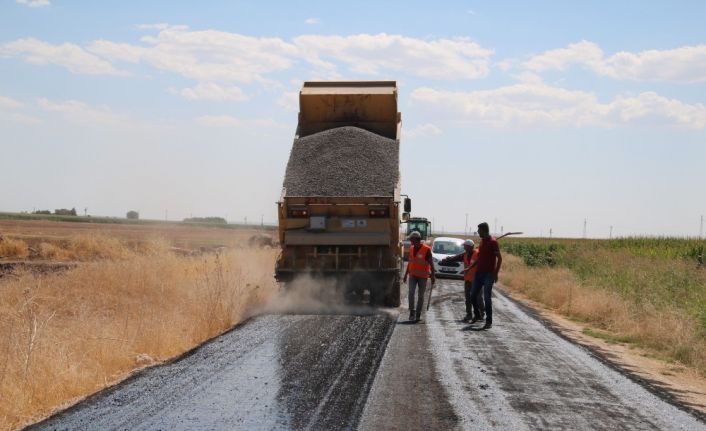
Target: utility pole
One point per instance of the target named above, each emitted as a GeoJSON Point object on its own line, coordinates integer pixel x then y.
{"type": "Point", "coordinates": [584, 228]}
{"type": "Point", "coordinates": [465, 229]}
{"type": "Point", "coordinates": [502, 228]}
{"type": "Point", "coordinates": [550, 232]}
{"type": "Point", "coordinates": [246, 220]}
{"type": "Point", "coordinates": [262, 221]}
{"type": "Point", "coordinates": [611, 233]}
{"type": "Point", "coordinates": [166, 215]}
{"type": "Point", "coordinates": [85, 212]}
{"type": "Point", "coordinates": [701, 228]}
{"type": "Point", "coordinates": [495, 226]}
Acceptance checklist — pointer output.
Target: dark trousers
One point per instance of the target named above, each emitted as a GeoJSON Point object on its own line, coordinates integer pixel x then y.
{"type": "Point", "coordinates": [420, 286]}
{"type": "Point", "coordinates": [470, 309]}
{"type": "Point", "coordinates": [483, 281]}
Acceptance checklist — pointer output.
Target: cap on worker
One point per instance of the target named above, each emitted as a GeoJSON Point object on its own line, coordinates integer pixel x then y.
{"type": "Point", "coordinates": [469, 243]}
{"type": "Point", "coordinates": [415, 234]}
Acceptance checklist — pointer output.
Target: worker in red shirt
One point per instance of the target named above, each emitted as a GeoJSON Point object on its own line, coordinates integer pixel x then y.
{"type": "Point", "coordinates": [469, 256]}
{"type": "Point", "coordinates": [419, 268]}
{"type": "Point", "coordinates": [487, 268]}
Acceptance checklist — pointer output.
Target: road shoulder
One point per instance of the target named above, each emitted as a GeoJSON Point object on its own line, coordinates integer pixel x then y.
{"type": "Point", "coordinates": [675, 383]}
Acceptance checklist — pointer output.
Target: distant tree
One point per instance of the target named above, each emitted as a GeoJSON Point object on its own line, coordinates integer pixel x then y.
{"type": "Point", "coordinates": [65, 212]}
{"type": "Point", "coordinates": [47, 212]}
{"type": "Point", "coordinates": [211, 220]}
{"type": "Point", "coordinates": [133, 215]}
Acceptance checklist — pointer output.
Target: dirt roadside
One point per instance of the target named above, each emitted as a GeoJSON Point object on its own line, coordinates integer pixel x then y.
{"type": "Point", "coordinates": [675, 381]}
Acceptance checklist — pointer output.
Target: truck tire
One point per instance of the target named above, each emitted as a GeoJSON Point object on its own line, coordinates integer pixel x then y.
{"type": "Point", "coordinates": [392, 298]}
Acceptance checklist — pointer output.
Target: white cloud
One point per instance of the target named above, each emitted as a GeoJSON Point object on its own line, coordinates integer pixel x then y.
{"type": "Point", "coordinates": [587, 53]}
{"type": "Point", "coordinates": [72, 57]}
{"type": "Point", "coordinates": [218, 56]}
{"type": "Point", "coordinates": [205, 56]}
{"type": "Point", "coordinates": [34, 3]}
{"type": "Point", "coordinates": [537, 104]}
{"type": "Point", "coordinates": [457, 58]}
{"type": "Point", "coordinates": [652, 108]}
{"type": "Point", "coordinates": [82, 113]}
{"type": "Point", "coordinates": [6, 102]}
{"type": "Point", "coordinates": [289, 101]}
{"type": "Point", "coordinates": [16, 117]}
{"type": "Point", "coordinates": [422, 131]}
{"type": "Point", "coordinates": [685, 64]}
{"type": "Point", "coordinates": [237, 123]}
{"type": "Point", "coordinates": [213, 92]}
{"type": "Point", "coordinates": [312, 21]}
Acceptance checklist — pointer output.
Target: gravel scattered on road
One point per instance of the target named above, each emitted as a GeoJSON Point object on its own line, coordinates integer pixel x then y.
{"type": "Point", "coordinates": [345, 161]}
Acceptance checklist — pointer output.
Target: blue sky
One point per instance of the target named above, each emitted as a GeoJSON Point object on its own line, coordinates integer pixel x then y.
{"type": "Point", "coordinates": [539, 115]}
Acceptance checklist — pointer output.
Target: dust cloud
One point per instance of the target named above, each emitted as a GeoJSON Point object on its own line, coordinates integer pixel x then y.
{"type": "Point", "coordinates": [308, 294]}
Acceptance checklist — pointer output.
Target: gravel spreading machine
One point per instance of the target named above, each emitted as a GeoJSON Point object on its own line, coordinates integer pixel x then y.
{"type": "Point", "coordinates": [339, 212]}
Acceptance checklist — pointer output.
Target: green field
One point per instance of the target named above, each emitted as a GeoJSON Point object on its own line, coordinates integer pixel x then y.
{"type": "Point", "coordinates": [660, 281]}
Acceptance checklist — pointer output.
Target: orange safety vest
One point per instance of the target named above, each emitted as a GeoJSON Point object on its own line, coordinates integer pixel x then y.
{"type": "Point", "coordinates": [468, 275]}
{"type": "Point", "coordinates": [418, 265]}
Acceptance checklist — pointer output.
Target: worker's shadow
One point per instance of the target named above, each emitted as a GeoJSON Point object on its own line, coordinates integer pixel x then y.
{"type": "Point", "coordinates": [472, 328]}
{"type": "Point", "coordinates": [411, 322]}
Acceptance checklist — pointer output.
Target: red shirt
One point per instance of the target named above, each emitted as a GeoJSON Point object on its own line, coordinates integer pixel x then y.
{"type": "Point", "coordinates": [487, 256]}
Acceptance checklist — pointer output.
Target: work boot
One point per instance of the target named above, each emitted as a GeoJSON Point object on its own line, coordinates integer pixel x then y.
{"type": "Point", "coordinates": [488, 325]}
{"type": "Point", "coordinates": [411, 316]}
{"type": "Point", "coordinates": [419, 317]}
{"type": "Point", "coordinates": [476, 319]}
{"type": "Point", "coordinates": [467, 318]}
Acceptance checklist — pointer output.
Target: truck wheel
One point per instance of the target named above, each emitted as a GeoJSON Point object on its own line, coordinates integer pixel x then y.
{"type": "Point", "coordinates": [392, 298]}
{"type": "Point", "coordinates": [377, 294]}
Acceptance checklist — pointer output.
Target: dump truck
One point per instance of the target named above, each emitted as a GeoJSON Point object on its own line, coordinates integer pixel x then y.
{"type": "Point", "coordinates": [339, 211]}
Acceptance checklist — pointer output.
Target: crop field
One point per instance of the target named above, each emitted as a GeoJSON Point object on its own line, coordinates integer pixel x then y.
{"type": "Point", "coordinates": [649, 292]}
{"type": "Point", "coordinates": [188, 235]}
{"type": "Point", "coordinates": [134, 296]}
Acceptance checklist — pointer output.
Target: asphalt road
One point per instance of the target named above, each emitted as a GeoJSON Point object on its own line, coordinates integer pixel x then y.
{"type": "Point", "coordinates": [371, 370]}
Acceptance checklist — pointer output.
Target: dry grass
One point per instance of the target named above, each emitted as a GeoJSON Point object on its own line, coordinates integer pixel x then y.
{"type": "Point", "coordinates": [34, 232]}
{"type": "Point", "coordinates": [82, 247]}
{"type": "Point", "coordinates": [666, 328]}
{"type": "Point", "coordinates": [69, 334]}
{"type": "Point", "coordinates": [13, 248]}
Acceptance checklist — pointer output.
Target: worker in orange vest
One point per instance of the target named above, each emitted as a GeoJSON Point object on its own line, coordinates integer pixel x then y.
{"type": "Point", "coordinates": [468, 257]}
{"type": "Point", "coordinates": [419, 268]}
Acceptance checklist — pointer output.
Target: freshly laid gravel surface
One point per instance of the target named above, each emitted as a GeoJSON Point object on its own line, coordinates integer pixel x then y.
{"type": "Point", "coordinates": [346, 161]}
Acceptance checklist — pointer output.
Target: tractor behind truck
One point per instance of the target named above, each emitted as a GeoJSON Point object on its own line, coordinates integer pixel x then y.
{"type": "Point", "coordinates": [335, 231]}
{"type": "Point", "coordinates": [415, 224]}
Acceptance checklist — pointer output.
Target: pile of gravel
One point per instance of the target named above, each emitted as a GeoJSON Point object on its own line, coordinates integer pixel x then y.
{"type": "Point", "coordinates": [345, 161]}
